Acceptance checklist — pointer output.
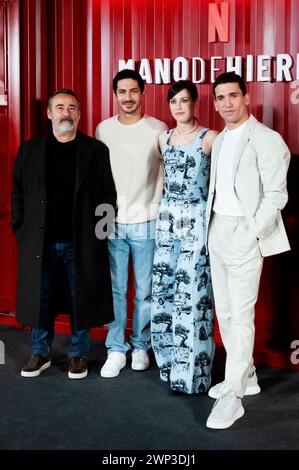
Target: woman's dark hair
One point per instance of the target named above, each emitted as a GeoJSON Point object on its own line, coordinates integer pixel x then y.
{"type": "Point", "coordinates": [183, 85]}
{"type": "Point", "coordinates": [128, 73]}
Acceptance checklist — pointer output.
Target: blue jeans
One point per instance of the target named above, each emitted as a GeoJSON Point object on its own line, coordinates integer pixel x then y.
{"type": "Point", "coordinates": [137, 239]}
{"type": "Point", "coordinates": [42, 338]}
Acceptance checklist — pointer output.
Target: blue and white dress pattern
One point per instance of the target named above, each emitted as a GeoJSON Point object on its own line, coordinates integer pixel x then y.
{"type": "Point", "coordinates": [182, 299]}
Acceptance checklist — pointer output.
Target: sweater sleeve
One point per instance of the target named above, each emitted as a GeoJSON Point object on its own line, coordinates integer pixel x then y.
{"type": "Point", "coordinates": [273, 158]}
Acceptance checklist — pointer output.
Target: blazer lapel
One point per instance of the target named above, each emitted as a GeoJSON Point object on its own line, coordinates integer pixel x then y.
{"type": "Point", "coordinates": [245, 136]}
{"type": "Point", "coordinates": [41, 155]}
{"type": "Point", "coordinates": [214, 158]}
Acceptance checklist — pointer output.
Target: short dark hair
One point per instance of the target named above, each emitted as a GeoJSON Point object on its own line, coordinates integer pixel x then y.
{"type": "Point", "coordinates": [128, 73]}
{"type": "Point", "coordinates": [63, 91]}
{"type": "Point", "coordinates": [230, 77]}
{"type": "Point", "coordinates": [183, 85]}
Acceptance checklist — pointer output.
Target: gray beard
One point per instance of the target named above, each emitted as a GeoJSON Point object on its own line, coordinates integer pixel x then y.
{"type": "Point", "coordinates": [65, 127]}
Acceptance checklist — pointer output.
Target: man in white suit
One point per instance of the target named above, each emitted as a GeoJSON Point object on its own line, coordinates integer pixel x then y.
{"type": "Point", "coordinates": [247, 193]}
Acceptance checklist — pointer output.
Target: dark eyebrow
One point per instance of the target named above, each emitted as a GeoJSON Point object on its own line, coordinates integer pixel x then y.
{"type": "Point", "coordinates": [181, 98]}
{"type": "Point", "coordinates": [229, 94]}
{"type": "Point", "coordinates": [130, 89]}
{"type": "Point", "coordinates": [70, 105]}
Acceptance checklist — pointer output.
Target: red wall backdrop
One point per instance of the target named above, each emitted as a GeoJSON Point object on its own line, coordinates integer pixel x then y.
{"type": "Point", "coordinates": [9, 141]}
{"type": "Point", "coordinates": [77, 44]}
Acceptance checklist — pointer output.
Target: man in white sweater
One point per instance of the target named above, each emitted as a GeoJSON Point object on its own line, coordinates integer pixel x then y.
{"type": "Point", "coordinates": [132, 139]}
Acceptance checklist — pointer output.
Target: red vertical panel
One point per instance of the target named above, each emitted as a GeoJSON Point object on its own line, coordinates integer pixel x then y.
{"type": "Point", "coordinates": [159, 53]}
{"type": "Point", "coordinates": [10, 139]}
{"type": "Point", "coordinates": [166, 52]}
{"type": "Point", "coordinates": [3, 50]}
{"type": "Point", "coordinates": [136, 28]}
{"type": "Point", "coordinates": [34, 68]}
{"type": "Point", "coordinates": [13, 87]}
{"type": "Point", "coordinates": [185, 43]}
{"type": "Point", "coordinates": [292, 121]}
{"type": "Point", "coordinates": [91, 67]}
{"type": "Point", "coordinates": [29, 70]}
{"type": "Point", "coordinates": [5, 291]}
{"type": "Point", "coordinates": [41, 66]}
{"type": "Point", "coordinates": [94, 104]}
{"type": "Point", "coordinates": [281, 90]}
{"type": "Point", "coordinates": [269, 48]}
{"type": "Point", "coordinates": [77, 45]}
{"type": "Point", "coordinates": [64, 19]}
{"type": "Point", "coordinates": [149, 50]}
{"type": "Point", "coordinates": [119, 35]}
{"type": "Point", "coordinates": [206, 115]}
{"type": "Point", "coordinates": [87, 75]}
{"type": "Point", "coordinates": [127, 28]}
{"type": "Point", "coordinates": [107, 56]}
{"type": "Point", "coordinates": [65, 11]}
{"type": "Point", "coordinates": [56, 21]}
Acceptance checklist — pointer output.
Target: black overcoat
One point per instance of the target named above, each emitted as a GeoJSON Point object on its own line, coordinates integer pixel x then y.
{"type": "Point", "coordinates": [93, 303]}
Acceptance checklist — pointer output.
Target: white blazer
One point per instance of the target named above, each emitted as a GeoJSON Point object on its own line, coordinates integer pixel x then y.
{"type": "Point", "coordinates": [259, 182]}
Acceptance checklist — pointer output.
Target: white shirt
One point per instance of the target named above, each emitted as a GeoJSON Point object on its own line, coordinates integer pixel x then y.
{"type": "Point", "coordinates": [226, 201]}
{"type": "Point", "coordinates": [136, 166]}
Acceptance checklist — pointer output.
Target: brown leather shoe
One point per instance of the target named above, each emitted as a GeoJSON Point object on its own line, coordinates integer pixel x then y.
{"type": "Point", "coordinates": [35, 365]}
{"type": "Point", "coordinates": [77, 368]}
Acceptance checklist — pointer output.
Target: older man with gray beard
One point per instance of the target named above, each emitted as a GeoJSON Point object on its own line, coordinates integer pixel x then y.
{"type": "Point", "coordinates": [59, 180]}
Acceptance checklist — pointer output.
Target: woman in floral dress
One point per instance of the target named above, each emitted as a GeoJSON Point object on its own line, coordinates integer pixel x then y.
{"type": "Point", "coordinates": [182, 298]}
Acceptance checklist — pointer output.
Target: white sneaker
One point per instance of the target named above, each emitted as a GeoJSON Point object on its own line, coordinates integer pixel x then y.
{"type": "Point", "coordinates": [226, 410]}
{"type": "Point", "coordinates": [113, 365]}
{"type": "Point", "coordinates": [140, 359]}
{"type": "Point", "coordinates": [252, 387]}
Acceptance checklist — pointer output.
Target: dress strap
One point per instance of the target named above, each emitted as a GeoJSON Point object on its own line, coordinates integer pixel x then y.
{"type": "Point", "coordinates": [202, 132]}
{"type": "Point", "coordinates": [167, 136]}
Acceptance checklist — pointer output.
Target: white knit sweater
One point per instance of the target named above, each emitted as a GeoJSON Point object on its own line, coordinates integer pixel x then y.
{"type": "Point", "coordinates": [136, 166]}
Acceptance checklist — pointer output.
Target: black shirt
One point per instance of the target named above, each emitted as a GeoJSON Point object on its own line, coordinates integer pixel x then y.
{"type": "Point", "coordinates": [60, 183]}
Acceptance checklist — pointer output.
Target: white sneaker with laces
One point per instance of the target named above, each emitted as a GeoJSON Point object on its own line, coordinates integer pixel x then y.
{"type": "Point", "coordinates": [140, 359]}
{"type": "Point", "coordinates": [252, 387]}
{"type": "Point", "coordinates": [226, 410]}
{"type": "Point", "coordinates": [113, 365]}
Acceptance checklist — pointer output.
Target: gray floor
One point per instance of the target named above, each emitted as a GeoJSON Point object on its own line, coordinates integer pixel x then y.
{"type": "Point", "coordinates": [131, 412]}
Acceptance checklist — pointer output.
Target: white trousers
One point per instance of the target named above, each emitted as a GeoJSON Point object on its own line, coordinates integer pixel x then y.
{"type": "Point", "coordinates": [236, 266]}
